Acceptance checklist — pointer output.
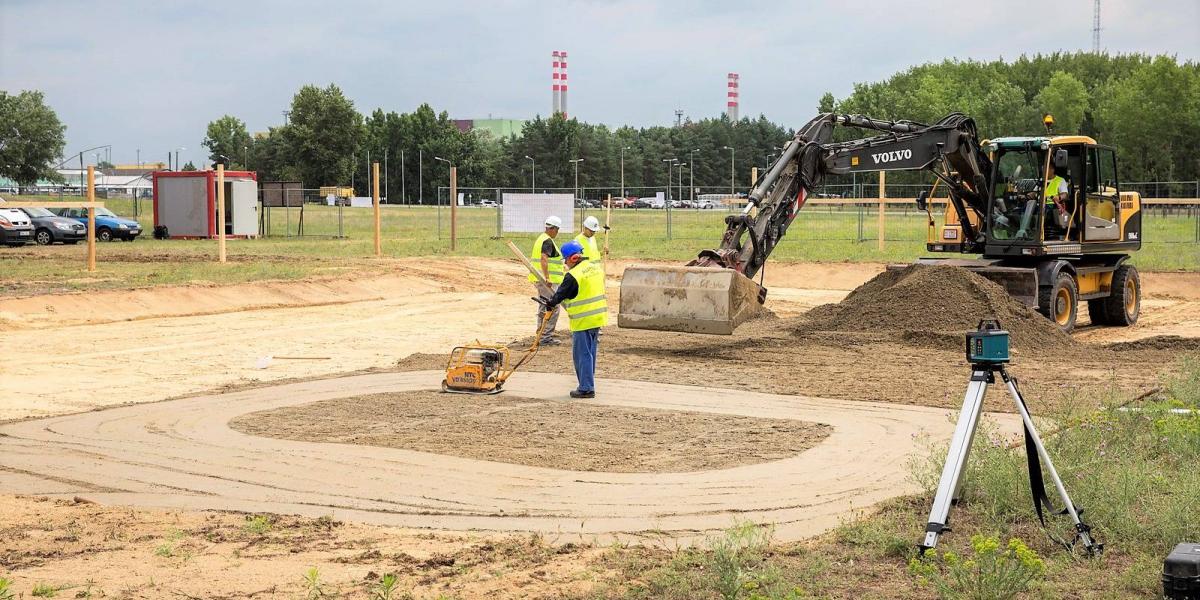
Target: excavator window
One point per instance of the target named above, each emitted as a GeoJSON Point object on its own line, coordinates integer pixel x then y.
{"type": "Point", "coordinates": [1015, 208]}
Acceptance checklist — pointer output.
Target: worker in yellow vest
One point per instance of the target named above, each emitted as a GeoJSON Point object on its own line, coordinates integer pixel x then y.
{"type": "Point", "coordinates": [546, 257]}
{"type": "Point", "coordinates": [587, 239]}
{"type": "Point", "coordinates": [582, 294]}
{"type": "Point", "coordinates": [1055, 195]}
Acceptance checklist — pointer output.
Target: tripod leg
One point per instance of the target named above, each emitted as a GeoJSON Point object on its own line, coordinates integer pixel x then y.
{"type": "Point", "coordinates": [1081, 529]}
{"type": "Point", "coordinates": [956, 458]}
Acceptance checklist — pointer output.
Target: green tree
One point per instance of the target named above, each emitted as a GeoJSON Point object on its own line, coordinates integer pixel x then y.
{"type": "Point", "coordinates": [31, 138]}
{"type": "Point", "coordinates": [188, 166]}
{"type": "Point", "coordinates": [227, 136]}
{"type": "Point", "coordinates": [1066, 98]}
{"type": "Point", "coordinates": [323, 136]}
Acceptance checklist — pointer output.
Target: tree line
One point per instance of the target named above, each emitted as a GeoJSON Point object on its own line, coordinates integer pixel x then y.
{"type": "Point", "coordinates": [1148, 107]}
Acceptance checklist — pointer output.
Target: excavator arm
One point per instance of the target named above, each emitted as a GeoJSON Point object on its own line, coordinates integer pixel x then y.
{"type": "Point", "coordinates": [715, 292]}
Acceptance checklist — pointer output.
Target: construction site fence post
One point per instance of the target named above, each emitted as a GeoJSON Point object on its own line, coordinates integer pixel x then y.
{"type": "Point", "coordinates": [221, 212]}
{"type": "Point", "coordinates": [882, 206]}
{"type": "Point", "coordinates": [499, 220]}
{"type": "Point", "coordinates": [91, 221]}
{"type": "Point", "coordinates": [453, 207]}
{"type": "Point", "coordinates": [375, 204]}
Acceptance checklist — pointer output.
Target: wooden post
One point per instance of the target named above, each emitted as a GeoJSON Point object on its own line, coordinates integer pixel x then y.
{"type": "Point", "coordinates": [453, 207]}
{"type": "Point", "coordinates": [882, 204]}
{"type": "Point", "coordinates": [753, 176]}
{"type": "Point", "coordinates": [221, 212]}
{"type": "Point", "coordinates": [375, 203]}
{"type": "Point", "coordinates": [91, 224]}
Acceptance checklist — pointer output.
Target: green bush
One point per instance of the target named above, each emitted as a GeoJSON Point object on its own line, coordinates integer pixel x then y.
{"type": "Point", "coordinates": [991, 573]}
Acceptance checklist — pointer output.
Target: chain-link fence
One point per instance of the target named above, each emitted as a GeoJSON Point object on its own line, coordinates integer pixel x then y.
{"type": "Point", "coordinates": [849, 212]}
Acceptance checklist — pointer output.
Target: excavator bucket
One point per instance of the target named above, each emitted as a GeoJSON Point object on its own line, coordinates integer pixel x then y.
{"type": "Point", "coordinates": [686, 299]}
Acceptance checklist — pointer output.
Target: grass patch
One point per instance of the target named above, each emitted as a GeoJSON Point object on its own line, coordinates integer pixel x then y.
{"type": "Point", "coordinates": [820, 234]}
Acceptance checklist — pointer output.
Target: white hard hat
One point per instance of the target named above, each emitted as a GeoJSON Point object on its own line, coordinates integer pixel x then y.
{"type": "Point", "coordinates": [553, 221]}
{"type": "Point", "coordinates": [592, 223]}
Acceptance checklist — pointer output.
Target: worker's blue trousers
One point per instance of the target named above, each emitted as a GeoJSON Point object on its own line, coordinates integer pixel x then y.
{"type": "Point", "coordinates": [584, 346]}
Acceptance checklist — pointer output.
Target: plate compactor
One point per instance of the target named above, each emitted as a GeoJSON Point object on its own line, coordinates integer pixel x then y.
{"type": "Point", "coordinates": [480, 368]}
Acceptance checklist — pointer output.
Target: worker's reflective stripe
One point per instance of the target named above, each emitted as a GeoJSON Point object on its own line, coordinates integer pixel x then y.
{"type": "Point", "coordinates": [589, 308]}
{"type": "Point", "coordinates": [595, 311]}
{"type": "Point", "coordinates": [554, 264]}
{"type": "Point", "coordinates": [587, 300]}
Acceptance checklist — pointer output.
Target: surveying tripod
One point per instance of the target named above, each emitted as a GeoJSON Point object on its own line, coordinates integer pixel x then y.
{"type": "Point", "coordinates": [987, 352]}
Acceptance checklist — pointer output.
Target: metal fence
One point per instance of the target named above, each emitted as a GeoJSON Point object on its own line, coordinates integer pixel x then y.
{"type": "Point", "coordinates": [845, 213]}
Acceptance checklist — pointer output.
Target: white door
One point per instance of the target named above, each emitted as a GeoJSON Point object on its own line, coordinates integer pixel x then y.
{"type": "Point", "coordinates": [245, 208]}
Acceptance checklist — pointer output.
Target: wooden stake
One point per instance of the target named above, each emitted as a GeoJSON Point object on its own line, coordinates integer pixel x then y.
{"type": "Point", "coordinates": [607, 224]}
{"type": "Point", "coordinates": [375, 203]}
{"type": "Point", "coordinates": [453, 207]}
{"type": "Point", "coordinates": [91, 223]}
{"type": "Point", "coordinates": [221, 212]}
{"type": "Point", "coordinates": [882, 204]}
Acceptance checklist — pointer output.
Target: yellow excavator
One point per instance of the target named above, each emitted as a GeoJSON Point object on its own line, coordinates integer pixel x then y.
{"type": "Point", "coordinates": [1048, 256]}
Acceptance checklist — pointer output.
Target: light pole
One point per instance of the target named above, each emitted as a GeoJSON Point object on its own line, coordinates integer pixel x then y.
{"type": "Point", "coordinates": [403, 190]}
{"type": "Point", "coordinates": [576, 161]}
{"type": "Point", "coordinates": [177, 168]}
{"type": "Point", "coordinates": [623, 171]}
{"type": "Point", "coordinates": [246, 154]}
{"type": "Point", "coordinates": [667, 205]}
{"type": "Point", "coordinates": [449, 165]}
{"type": "Point", "coordinates": [681, 166]}
{"type": "Point", "coordinates": [730, 149]}
{"type": "Point", "coordinates": [385, 173]}
{"type": "Point", "coordinates": [532, 174]}
{"type": "Point", "coordinates": [692, 175]}
{"type": "Point", "coordinates": [421, 176]}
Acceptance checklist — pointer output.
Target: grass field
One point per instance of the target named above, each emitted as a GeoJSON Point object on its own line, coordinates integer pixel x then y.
{"type": "Point", "coordinates": [821, 233]}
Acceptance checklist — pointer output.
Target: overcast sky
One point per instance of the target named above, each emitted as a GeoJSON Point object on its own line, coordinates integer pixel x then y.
{"type": "Point", "coordinates": [151, 75]}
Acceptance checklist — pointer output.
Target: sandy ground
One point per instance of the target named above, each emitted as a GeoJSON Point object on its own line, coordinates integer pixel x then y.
{"type": "Point", "coordinates": [540, 433]}
{"type": "Point", "coordinates": [82, 352]}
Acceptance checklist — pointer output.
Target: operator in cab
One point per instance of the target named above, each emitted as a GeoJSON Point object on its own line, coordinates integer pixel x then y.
{"type": "Point", "coordinates": [581, 293]}
{"type": "Point", "coordinates": [1056, 198]}
{"type": "Point", "coordinates": [546, 258]}
{"type": "Point", "coordinates": [587, 239]}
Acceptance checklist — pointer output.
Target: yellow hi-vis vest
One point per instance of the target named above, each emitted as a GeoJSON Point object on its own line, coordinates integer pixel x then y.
{"type": "Point", "coordinates": [591, 250]}
{"type": "Point", "coordinates": [554, 264]}
{"type": "Point", "coordinates": [589, 308]}
{"type": "Point", "coordinates": [1052, 189]}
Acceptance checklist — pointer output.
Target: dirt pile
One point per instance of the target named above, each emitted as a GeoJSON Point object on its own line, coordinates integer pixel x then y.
{"type": "Point", "coordinates": [923, 304]}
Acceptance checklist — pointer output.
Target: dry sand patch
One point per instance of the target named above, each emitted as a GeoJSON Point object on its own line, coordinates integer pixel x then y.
{"type": "Point", "coordinates": [540, 433]}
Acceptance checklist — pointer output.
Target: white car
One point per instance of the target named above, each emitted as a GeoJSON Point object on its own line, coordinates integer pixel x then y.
{"type": "Point", "coordinates": [488, 203]}
{"type": "Point", "coordinates": [16, 229]}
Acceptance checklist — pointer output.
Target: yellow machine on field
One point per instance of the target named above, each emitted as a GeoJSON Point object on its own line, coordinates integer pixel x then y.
{"type": "Point", "coordinates": [997, 207]}
{"type": "Point", "coordinates": [480, 368]}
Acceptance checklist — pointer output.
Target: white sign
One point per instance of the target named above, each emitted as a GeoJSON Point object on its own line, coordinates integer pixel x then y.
{"type": "Point", "coordinates": [526, 213]}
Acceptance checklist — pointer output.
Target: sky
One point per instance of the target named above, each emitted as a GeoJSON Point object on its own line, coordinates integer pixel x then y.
{"type": "Point", "coordinates": [151, 75]}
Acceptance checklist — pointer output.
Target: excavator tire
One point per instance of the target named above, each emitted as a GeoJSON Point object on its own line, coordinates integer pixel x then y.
{"type": "Point", "coordinates": [1060, 302]}
{"type": "Point", "coordinates": [1124, 304]}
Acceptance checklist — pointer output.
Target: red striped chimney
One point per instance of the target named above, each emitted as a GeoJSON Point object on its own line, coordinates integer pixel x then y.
{"type": "Point", "coordinates": [731, 97]}
{"type": "Point", "coordinates": [554, 85]}
{"type": "Point", "coordinates": [562, 88]}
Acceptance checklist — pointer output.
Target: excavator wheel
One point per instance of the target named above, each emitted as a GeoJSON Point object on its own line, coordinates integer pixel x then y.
{"type": "Point", "coordinates": [1124, 304]}
{"type": "Point", "coordinates": [1060, 302]}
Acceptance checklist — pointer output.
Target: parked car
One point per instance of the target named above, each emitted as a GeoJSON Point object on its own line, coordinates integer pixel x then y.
{"type": "Point", "coordinates": [15, 228]}
{"type": "Point", "coordinates": [641, 203]}
{"type": "Point", "coordinates": [488, 203]}
{"type": "Point", "coordinates": [108, 225]}
{"type": "Point", "coordinates": [706, 204]}
{"type": "Point", "coordinates": [49, 227]}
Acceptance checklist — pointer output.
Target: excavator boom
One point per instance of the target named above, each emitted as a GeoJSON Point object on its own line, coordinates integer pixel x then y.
{"type": "Point", "coordinates": [715, 292]}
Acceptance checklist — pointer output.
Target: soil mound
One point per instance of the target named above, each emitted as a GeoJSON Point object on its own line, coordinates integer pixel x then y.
{"type": "Point", "coordinates": [1158, 342]}
{"type": "Point", "coordinates": [935, 304]}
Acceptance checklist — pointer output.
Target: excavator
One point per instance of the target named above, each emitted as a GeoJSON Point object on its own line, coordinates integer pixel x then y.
{"type": "Point", "coordinates": [1045, 255]}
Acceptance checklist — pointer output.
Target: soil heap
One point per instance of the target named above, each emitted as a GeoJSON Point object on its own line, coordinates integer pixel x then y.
{"type": "Point", "coordinates": [925, 304]}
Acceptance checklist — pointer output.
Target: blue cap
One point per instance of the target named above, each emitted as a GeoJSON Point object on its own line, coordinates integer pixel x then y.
{"type": "Point", "coordinates": [571, 248]}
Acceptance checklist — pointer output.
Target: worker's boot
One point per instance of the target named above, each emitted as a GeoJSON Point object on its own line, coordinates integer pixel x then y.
{"type": "Point", "coordinates": [579, 394]}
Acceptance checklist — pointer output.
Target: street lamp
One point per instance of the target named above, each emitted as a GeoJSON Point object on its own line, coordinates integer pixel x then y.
{"type": "Point", "coordinates": [451, 165]}
{"type": "Point", "coordinates": [576, 161]}
{"type": "Point", "coordinates": [177, 157]}
{"type": "Point", "coordinates": [623, 170]}
{"type": "Point", "coordinates": [667, 205]}
{"type": "Point", "coordinates": [681, 166]}
{"type": "Point", "coordinates": [730, 149]}
{"type": "Point", "coordinates": [246, 154]}
{"type": "Point", "coordinates": [692, 175]}
{"type": "Point", "coordinates": [532, 174]}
